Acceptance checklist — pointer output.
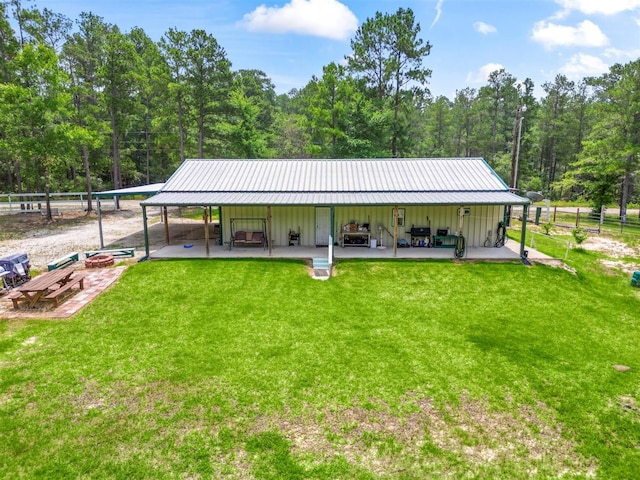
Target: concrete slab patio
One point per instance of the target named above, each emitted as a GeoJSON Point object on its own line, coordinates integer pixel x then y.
{"type": "Point", "coordinates": [196, 249]}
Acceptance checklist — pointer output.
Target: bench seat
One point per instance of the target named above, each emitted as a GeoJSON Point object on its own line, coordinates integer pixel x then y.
{"type": "Point", "coordinates": [55, 295]}
{"type": "Point", "coordinates": [15, 298]}
{"type": "Point", "coordinates": [242, 238]}
{"type": "Point", "coordinates": [115, 252]}
{"type": "Point", "coordinates": [63, 261]}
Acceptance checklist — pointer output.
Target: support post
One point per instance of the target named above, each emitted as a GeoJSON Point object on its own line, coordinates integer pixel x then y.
{"type": "Point", "coordinates": [395, 231]}
{"type": "Point", "coordinates": [269, 228]}
{"type": "Point", "coordinates": [100, 224]}
{"type": "Point", "coordinates": [332, 223]}
{"type": "Point", "coordinates": [221, 240]}
{"type": "Point", "coordinates": [146, 231]}
{"type": "Point", "coordinates": [165, 216]}
{"type": "Point", "coordinates": [525, 214]}
{"type": "Point", "coordinates": [205, 217]}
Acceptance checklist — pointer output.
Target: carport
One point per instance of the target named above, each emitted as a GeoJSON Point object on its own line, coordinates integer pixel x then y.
{"type": "Point", "coordinates": [141, 190]}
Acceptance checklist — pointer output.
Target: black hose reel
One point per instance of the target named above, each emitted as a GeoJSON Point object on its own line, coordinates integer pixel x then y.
{"type": "Point", "coordinates": [501, 235]}
{"type": "Point", "coordinates": [461, 246]}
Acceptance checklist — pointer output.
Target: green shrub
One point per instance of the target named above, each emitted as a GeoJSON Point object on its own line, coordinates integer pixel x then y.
{"type": "Point", "coordinates": [547, 228]}
{"type": "Point", "coordinates": [579, 235]}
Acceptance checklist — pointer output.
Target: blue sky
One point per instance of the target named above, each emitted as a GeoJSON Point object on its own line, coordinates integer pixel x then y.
{"type": "Point", "coordinates": [291, 40]}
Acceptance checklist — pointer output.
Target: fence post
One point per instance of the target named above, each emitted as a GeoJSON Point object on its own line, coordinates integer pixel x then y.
{"type": "Point", "coordinates": [555, 210]}
{"type": "Point", "coordinates": [538, 213]}
{"type": "Point", "coordinates": [578, 218]}
{"type": "Point", "coordinates": [603, 209]}
{"type": "Point", "coordinates": [548, 204]}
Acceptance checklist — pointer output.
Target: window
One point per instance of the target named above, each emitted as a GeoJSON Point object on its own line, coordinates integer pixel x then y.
{"type": "Point", "coordinates": [400, 217]}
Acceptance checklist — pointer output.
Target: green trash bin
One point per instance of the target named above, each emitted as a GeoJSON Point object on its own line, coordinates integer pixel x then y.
{"type": "Point", "coordinates": [635, 279]}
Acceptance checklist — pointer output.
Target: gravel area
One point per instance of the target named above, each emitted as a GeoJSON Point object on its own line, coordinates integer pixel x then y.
{"type": "Point", "coordinates": [44, 242]}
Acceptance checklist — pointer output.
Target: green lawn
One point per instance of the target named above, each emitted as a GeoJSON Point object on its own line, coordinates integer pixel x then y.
{"type": "Point", "coordinates": [251, 369]}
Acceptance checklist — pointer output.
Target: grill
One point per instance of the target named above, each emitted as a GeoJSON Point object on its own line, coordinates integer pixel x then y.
{"type": "Point", "coordinates": [420, 231]}
{"type": "Point", "coordinates": [18, 266]}
{"type": "Point", "coordinates": [420, 236]}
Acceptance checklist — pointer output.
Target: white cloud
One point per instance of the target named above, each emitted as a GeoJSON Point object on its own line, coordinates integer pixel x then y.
{"type": "Point", "coordinates": [622, 55]}
{"type": "Point", "coordinates": [484, 28]}
{"type": "Point", "coordinates": [438, 12]}
{"type": "Point", "coordinates": [321, 18]}
{"type": "Point", "coordinates": [582, 65]}
{"type": "Point", "coordinates": [586, 34]}
{"type": "Point", "coordinates": [604, 7]}
{"type": "Point", "coordinates": [482, 74]}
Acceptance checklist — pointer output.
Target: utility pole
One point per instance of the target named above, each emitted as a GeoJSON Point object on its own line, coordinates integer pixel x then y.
{"type": "Point", "coordinates": [515, 154]}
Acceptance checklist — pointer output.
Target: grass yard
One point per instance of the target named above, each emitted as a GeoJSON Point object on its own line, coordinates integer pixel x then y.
{"type": "Point", "coordinates": [251, 369]}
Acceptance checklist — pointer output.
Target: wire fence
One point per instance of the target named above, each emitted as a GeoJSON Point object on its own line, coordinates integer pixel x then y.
{"type": "Point", "coordinates": [34, 202]}
{"type": "Point", "coordinates": [602, 222]}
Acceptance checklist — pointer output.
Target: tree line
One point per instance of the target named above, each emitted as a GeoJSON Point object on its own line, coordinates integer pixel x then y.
{"type": "Point", "coordinates": [85, 106]}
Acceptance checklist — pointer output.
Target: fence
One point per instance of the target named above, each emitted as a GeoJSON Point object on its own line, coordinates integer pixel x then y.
{"type": "Point", "coordinates": [584, 217]}
{"type": "Point", "coordinates": [539, 238]}
{"type": "Point", "coordinates": [36, 202]}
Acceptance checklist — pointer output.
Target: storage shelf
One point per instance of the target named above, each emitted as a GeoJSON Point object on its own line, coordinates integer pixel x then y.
{"type": "Point", "coordinates": [445, 241]}
{"type": "Point", "coordinates": [356, 239]}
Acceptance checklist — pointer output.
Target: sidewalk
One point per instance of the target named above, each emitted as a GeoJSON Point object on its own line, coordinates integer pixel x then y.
{"type": "Point", "coordinates": [96, 282]}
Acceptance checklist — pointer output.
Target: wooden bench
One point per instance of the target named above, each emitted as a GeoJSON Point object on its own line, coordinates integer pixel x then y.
{"type": "Point", "coordinates": [242, 238]}
{"type": "Point", "coordinates": [15, 298]}
{"type": "Point", "coordinates": [55, 295]}
{"type": "Point", "coordinates": [115, 252]}
{"type": "Point", "coordinates": [63, 261]}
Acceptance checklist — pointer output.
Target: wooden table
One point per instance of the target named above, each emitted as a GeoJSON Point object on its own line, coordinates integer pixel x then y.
{"type": "Point", "coordinates": [47, 287]}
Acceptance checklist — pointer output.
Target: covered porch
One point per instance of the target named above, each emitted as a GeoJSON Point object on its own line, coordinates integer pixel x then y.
{"type": "Point", "coordinates": [197, 249]}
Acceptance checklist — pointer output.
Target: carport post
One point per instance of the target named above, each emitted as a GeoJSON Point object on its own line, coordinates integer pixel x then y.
{"type": "Point", "coordinates": [100, 223]}
{"type": "Point", "coordinates": [146, 233]}
{"type": "Point", "coordinates": [525, 214]}
{"type": "Point", "coordinates": [165, 217]}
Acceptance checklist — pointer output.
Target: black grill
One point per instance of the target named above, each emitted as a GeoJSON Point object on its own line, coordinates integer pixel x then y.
{"type": "Point", "coordinates": [420, 231]}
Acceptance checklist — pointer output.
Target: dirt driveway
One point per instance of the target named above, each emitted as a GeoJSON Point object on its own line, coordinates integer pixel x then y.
{"type": "Point", "coordinates": [76, 232]}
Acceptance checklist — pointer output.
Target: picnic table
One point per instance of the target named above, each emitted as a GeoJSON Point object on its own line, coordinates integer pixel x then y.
{"type": "Point", "coordinates": [47, 287]}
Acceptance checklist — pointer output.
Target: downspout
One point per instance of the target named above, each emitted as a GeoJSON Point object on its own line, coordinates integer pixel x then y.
{"type": "Point", "coordinates": [523, 252]}
{"type": "Point", "coordinates": [146, 234]}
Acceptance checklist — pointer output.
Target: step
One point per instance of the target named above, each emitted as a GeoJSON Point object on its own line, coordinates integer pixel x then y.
{"type": "Point", "coordinates": [321, 264]}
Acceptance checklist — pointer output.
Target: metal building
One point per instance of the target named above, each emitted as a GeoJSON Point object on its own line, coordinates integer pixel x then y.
{"type": "Point", "coordinates": [359, 202]}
